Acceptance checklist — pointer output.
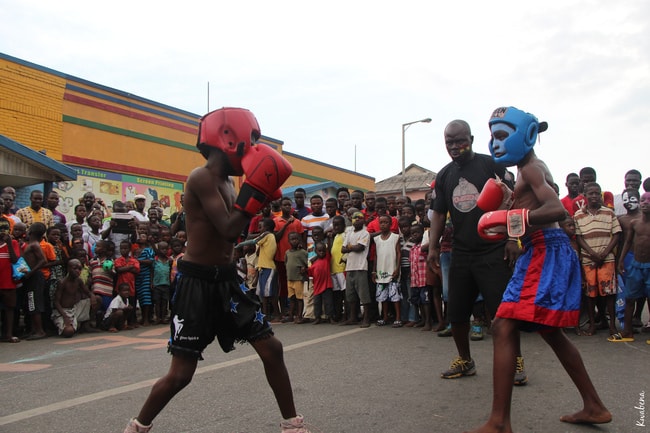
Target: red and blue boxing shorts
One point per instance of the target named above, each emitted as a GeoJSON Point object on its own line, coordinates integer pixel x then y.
{"type": "Point", "coordinates": [545, 287]}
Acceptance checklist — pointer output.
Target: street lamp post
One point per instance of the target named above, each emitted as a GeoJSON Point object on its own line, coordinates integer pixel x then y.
{"type": "Point", "coordinates": [405, 126]}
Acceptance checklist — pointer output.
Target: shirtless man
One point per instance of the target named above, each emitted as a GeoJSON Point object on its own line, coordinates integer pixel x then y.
{"type": "Point", "coordinates": [208, 301]}
{"type": "Point", "coordinates": [34, 281]}
{"type": "Point", "coordinates": [72, 301]}
{"type": "Point", "coordinates": [637, 271]}
{"type": "Point", "coordinates": [534, 218]}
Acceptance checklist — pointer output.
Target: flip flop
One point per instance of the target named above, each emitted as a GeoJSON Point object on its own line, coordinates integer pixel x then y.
{"type": "Point", "coordinates": [10, 340]}
{"type": "Point", "coordinates": [618, 338]}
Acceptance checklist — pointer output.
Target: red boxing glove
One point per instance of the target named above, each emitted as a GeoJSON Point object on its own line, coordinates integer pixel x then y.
{"type": "Point", "coordinates": [499, 224]}
{"type": "Point", "coordinates": [495, 195]}
{"type": "Point", "coordinates": [265, 170]}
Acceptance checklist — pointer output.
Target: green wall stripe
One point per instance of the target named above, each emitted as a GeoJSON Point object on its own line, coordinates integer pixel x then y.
{"type": "Point", "coordinates": [127, 133]}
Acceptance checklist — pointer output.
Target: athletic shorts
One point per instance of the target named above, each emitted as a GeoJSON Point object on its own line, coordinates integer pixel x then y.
{"type": "Point", "coordinates": [209, 301]}
{"type": "Point", "coordinates": [267, 284]}
{"type": "Point", "coordinates": [545, 288]}
{"type": "Point", "coordinates": [637, 280]}
{"type": "Point", "coordinates": [295, 288]}
{"type": "Point", "coordinates": [356, 287]}
{"type": "Point", "coordinates": [388, 292]}
{"type": "Point", "coordinates": [600, 281]}
{"type": "Point", "coordinates": [471, 274]}
{"type": "Point", "coordinates": [34, 291]}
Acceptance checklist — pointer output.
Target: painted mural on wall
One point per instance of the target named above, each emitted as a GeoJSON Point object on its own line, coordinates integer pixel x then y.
{"type": "Point", "coordinates": [116, 186]}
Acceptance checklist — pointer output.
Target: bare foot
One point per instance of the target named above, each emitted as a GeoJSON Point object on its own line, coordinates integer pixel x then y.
{"type": "Point", "coordinates": [440, 327]}
{"type": "Point", "coordinates": [589, 331]}
{"type": "Point", "coordinates": [490, 428]}
{"type": "Point", "coordinates": [588, 417]}
{"type": "Point", "coordinates": [113, 329]}
{"type": "Point", "coordinates": [426, 327]}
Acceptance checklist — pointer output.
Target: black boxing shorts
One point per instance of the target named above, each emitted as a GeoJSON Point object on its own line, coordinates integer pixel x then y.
{"type": "Point", "coordinates": [209, 301]}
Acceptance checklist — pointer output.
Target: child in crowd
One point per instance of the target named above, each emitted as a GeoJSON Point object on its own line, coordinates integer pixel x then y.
{"type": "Point", "coordinates": [94, 234]}
{"type": "Point", "coordinates": [336, 240]}
{"type": "Point", "coordinates": [408, 309]}
{"type": "Point", "coordinates": [331, 209]}
{"type": "Point", "coordinates": [178, 251]}
{"type": "Point", "coordinates": [181, 236]}
{"type": "Point", "coordinates": [630, 198]}
{"type": "Point", "coordinates": [267, 287]}
{"type": "Point", "coordinates": [637, 273]}
{"type": "Point", "coordinates": [357, 289]}
{"type": "Point", "coordinates": [72, 302]}
{"type": "Point", "coordinates": [385, 273]}
{"type": "Point", "coordinates": [64, 238]}
{"type": "Point", "coordinates": [34, 280]}
{"type": "Point", "coordinates": [9, 254]}
{"type": "Point", "coordinates": [102, 272]}
{"type": "Point", "coordinates": [296, 263]}
{"type": "Point", "coordinates": [58, 266]}
{"type": "Point", "coordinates": [598, 231]}
{"type": "Point", "coordinates": [319, 271]}
{"type": "Point", "coordinates": [77, 238]}
{"type": "Point", "coordinates": [252, 276]}
{"type": "Point", "coordinates": [118, 310]}
{"type": "Point", "coordinates": [317, 235]}
{"type": "Point", "coordinates": [420, 292]}
{"type": "Point", "coordinates": [162, 266]}
{"type": "Point", "coordinates": [81, 255]}
{"type": "Point", "coordinates": [145, 256]}
{"type": "Point", "coordinates": [127, 268]}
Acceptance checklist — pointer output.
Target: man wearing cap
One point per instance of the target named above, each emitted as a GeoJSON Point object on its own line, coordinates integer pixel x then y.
{"type": "Point", "coordinates": [138, 212]}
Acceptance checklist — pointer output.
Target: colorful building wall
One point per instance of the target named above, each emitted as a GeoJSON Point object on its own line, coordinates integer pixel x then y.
{"type": "Point", "coordinates": [120, 144]}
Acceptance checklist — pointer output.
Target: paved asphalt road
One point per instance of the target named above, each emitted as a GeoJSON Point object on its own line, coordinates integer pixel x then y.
{"type": "Point", "coordinates": [346, 379]}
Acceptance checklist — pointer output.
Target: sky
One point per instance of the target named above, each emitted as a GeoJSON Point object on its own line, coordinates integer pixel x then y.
{"type": "Point", "coordinates": [335, 81]}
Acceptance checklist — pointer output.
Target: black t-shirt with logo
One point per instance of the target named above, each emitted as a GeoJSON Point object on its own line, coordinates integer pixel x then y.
{"type": "Point", "coordinates": [457, 190]}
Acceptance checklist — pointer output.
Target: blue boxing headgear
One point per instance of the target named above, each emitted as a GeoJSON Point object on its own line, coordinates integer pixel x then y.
{"type": "Point", "coordinates": [521, 138]}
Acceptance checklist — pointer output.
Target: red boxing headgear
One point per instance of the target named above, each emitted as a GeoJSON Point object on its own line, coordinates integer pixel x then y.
{"type": "Point", "coordinates": [231, 130]}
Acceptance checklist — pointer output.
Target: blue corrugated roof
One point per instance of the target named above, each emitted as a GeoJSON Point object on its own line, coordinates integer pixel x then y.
{"type": "Point", "coordinates": [309, 188]}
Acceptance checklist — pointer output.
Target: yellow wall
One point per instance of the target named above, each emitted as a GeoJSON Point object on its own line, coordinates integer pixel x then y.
{"type": "Point", "coordinates": [30, 107]}
{"type": "Point", "coordinates": [88, 125]}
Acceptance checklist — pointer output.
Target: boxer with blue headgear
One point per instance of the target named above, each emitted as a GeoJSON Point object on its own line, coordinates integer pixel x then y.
{"type": "Point", "coordinates": [518, 134]}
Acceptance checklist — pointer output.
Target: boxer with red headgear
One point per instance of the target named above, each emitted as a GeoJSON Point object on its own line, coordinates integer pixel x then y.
{"type": "Point", "coordinates": [544, 292]}
{"type": "Point", "coordinates": [209, 302]}
{"type": "Point", "coordinates": [231, 130]}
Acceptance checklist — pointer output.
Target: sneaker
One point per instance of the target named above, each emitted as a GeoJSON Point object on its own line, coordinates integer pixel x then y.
{"type": "Point", "coordinates": [476, 334]}
{"type": "Point", "coordinates": [294, 425]}
{"type": "Point", "coordinates": [134, 426]}
{"type": "Point", "coordinates": [446, 332]}
{"type": "Point", "coordinates": [459, 367]}
{"type": "Point", "coordinates": [520, 374]}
